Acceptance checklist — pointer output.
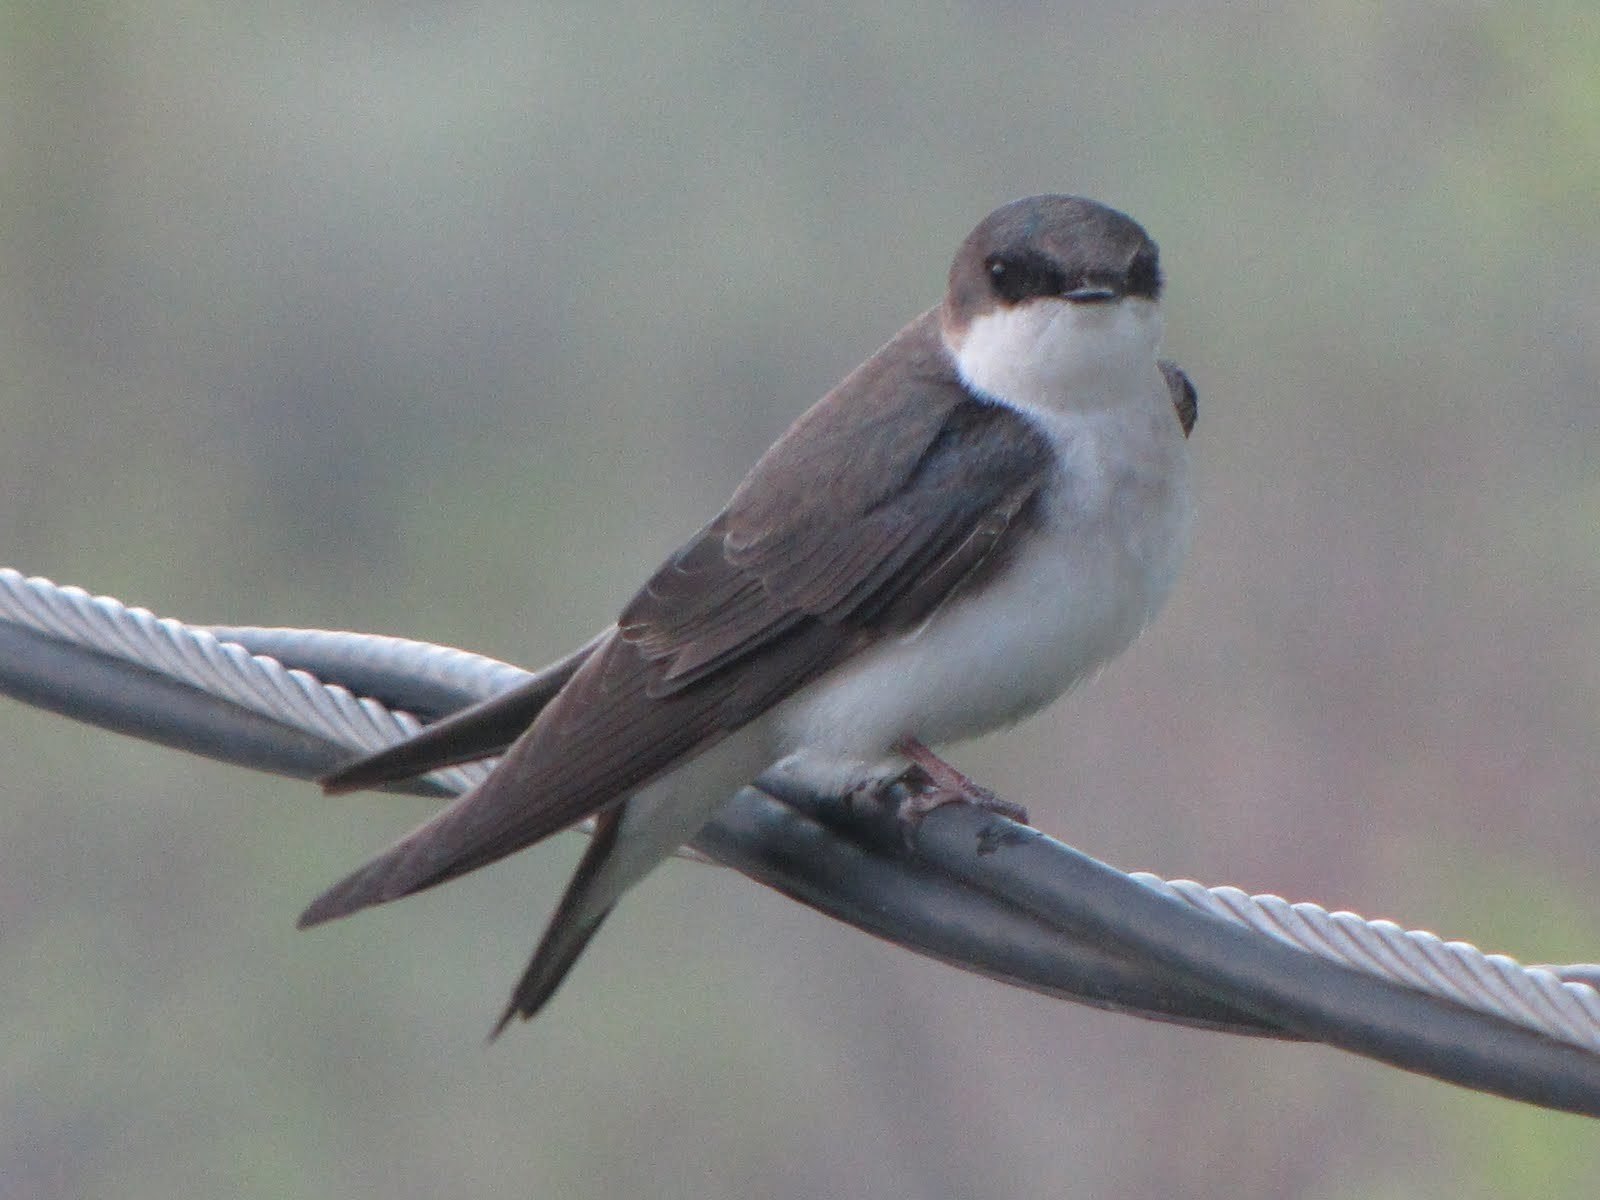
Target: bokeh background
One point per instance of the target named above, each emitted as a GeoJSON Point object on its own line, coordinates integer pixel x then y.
{"type": "Point", "coordinates": [450, 320]}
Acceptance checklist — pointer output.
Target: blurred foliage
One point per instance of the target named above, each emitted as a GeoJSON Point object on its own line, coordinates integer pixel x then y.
{"type": "Point", "coordinates": [450, 320]}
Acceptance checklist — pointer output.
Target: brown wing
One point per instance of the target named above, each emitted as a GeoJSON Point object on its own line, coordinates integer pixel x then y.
{"type": "Point", "coordinates": [479, 731]}
{"type": "Point", "coordinates": [876, 505]}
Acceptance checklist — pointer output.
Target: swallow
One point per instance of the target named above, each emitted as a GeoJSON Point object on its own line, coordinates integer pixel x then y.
{"type": "Point", "coordinates": [978, 517]}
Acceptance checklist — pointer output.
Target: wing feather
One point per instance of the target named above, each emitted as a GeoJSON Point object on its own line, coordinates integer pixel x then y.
{"type": "Point", "coordinates": [857, 524]}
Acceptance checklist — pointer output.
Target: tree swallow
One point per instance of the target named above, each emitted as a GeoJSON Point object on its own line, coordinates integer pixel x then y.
{"type": "Point", "coordinates": [980, 515]}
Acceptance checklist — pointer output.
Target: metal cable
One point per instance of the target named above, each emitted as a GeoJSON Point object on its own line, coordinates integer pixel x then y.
{"type": "Point", "coordinates": [1537, 998]}
{"type": "Point", "coordinates": [969, 889]}
{"type": "Point", "coordinates": [257, 683]}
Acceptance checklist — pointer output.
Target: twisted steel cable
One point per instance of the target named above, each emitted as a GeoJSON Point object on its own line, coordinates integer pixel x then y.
{"type": "Point", "coordinates": [291, 692]}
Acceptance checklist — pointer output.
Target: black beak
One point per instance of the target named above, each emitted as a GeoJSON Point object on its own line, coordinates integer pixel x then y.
{"type": "Point", "coordinates": [1091, 295]}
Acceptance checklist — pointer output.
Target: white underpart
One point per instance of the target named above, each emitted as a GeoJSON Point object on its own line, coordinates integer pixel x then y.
{"type": "Point", "coordinates": [1094, 573]}
{"type": "Point", "coordinates": [660, 817]}
{"type": "Point", "coordinates": [1091, 577]}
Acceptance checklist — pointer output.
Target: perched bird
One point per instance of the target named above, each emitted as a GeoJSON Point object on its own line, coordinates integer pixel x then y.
{"type": "Point", "coordinates": [980, 515]}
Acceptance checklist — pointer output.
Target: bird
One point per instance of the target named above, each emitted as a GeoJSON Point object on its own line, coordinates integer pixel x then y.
{"type": "Point", "coordinates": [978, 517]}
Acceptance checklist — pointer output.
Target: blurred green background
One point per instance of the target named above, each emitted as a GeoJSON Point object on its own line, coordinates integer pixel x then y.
{"type": "Point", "coordinates": [451, 320]}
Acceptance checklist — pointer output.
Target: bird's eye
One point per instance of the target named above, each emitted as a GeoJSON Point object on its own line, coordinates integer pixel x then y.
{"type": "Point", "coordinates": [1015, 278]}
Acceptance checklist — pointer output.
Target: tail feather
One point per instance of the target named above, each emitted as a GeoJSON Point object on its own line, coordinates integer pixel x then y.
{"type": "Point", "coordinates": [630, 839]}
{"type": "Point", "coordinates": [545, 974]}
{"type": "Point", "coordinates": [584, 906]}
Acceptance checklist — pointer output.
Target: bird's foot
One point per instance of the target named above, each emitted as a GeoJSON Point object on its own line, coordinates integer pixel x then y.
{"type": "Point", "coordinates": [933, 783]}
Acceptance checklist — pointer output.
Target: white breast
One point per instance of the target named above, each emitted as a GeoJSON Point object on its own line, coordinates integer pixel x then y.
{"type": "Point", "coordinates": [1093, 573]}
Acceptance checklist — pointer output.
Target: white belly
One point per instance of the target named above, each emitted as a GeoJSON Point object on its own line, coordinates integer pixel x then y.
{"type": "Point", "coordinates": [1094, 572]}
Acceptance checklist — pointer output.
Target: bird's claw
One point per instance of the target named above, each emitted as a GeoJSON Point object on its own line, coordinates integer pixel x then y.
{"type": "Point", "coordinates": [933, 783]}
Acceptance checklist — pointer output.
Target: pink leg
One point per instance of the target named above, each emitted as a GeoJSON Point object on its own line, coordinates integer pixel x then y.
{"type": "Point", "coordinates": [946, 785]}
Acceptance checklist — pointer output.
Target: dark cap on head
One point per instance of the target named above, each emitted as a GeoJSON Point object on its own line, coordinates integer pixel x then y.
{"type": "Point", "coordinates": [1065, 247]}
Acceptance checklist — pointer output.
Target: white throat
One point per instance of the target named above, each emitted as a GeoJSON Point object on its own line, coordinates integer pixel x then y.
{"type": "Point", "coordinates": [1054, 356]}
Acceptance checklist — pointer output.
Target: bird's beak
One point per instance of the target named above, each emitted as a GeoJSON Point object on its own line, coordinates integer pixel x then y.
{"type": "Point", "coordinates": [1090, 295]}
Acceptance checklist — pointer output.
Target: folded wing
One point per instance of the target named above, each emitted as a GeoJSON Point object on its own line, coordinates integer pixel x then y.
{"type": "Point", "coordinates": [886, 497]}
